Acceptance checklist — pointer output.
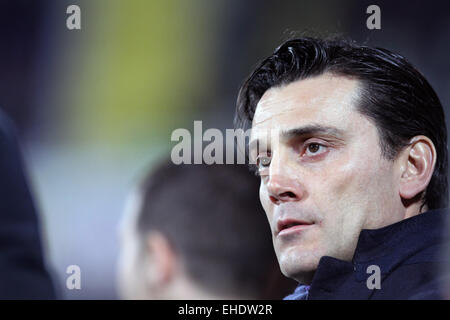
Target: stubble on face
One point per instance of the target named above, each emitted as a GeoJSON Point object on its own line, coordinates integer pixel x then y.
{"type": "Point", "coordinates": [346, 187]}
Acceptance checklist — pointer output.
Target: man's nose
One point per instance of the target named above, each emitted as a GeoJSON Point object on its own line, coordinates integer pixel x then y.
{"type": "Point", "coordinates": [284, 189]}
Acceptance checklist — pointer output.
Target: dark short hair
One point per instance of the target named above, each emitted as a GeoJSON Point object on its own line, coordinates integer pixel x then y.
{"type": "Point", "coordinates": [212, 217]}
{"type": "Point", "coordinates": [394, 95]}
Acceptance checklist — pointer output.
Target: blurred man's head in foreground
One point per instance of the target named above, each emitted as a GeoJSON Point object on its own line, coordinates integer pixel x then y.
{"type": "Point", "coordinates": [198, 232]}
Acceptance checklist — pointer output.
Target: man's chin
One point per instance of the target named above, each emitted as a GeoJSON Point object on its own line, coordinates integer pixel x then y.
{"type": "Point", "coordinates": [298, 267]}
{"type": "Point", "coordinates": [303, 276]}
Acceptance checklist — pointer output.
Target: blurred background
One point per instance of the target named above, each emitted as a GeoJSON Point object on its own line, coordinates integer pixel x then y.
{"type": "Point", "coordinates": [95, 107]}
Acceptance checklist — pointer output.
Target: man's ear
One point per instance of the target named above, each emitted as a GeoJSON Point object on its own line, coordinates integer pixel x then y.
{"type": "Point", "coordinates": [417, 166]}
{"type": "Point", "coordinates": [162, 260]}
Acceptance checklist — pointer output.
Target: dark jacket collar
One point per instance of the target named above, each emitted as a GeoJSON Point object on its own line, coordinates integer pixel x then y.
{"type": "Point", "coordinates": [413, 240]}
{"type": "Point", "coordinates": [403, 238]}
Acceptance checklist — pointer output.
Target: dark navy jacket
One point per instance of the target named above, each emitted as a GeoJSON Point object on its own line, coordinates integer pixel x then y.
{"type": "Point", "coordinates": [22, 271]}
{"type": "Point", "coordinates": [409, 254]}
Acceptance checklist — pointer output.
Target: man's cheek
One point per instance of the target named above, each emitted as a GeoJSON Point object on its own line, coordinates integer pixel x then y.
{"type": "Point", "coordinates": [266, 204]}
{"type": "Point", "coordinates": [348, 179]}
{"type": "Point", "coordinates": [264, 198]}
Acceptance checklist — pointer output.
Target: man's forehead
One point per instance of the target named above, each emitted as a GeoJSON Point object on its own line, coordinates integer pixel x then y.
{"type": "Point", "coordinates": [325, 97]}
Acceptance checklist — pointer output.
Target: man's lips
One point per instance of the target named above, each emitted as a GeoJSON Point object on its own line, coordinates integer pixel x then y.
{"type": "Point", "coordinates": [291, 225]}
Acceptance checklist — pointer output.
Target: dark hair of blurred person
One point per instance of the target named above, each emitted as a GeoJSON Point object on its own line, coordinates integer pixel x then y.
{"type": "Point", "coordinates": [22, 271]}
{"type": "Point", "coordinates": [198, 232]}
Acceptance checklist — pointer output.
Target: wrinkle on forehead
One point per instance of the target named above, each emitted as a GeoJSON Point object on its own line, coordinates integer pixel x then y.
{"type": "Point", "coordinates": [326, 89]}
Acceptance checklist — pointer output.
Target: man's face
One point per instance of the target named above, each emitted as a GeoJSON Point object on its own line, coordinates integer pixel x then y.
{"type": "Point", "coordinates": [323, 179]}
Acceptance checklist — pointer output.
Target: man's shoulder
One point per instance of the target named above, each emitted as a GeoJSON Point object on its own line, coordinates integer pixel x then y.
{"type": "Point", "coordinates": [419, 281]}
{"type": "Point", "coordinates": [409, 257]}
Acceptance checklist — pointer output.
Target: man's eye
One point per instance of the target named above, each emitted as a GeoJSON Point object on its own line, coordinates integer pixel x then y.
{"type": "Point", "coordinates": [314, 148]}
{"type": "Point", "coordinates": [264, 161]}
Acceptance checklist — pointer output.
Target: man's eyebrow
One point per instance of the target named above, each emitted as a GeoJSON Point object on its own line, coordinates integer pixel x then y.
{"type": "Point", "coordinates": [311, 130]}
